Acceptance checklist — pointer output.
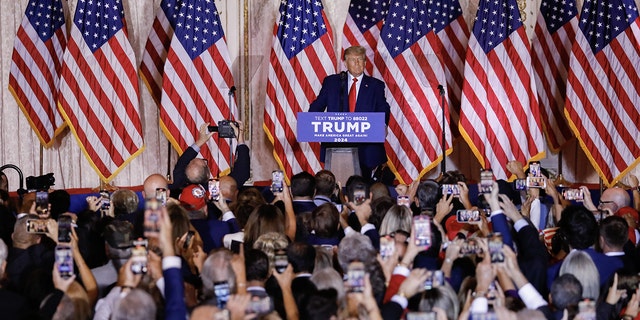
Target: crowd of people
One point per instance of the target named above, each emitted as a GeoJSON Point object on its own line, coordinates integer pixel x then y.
{"type": "Point", "coordinates": [215, 249]}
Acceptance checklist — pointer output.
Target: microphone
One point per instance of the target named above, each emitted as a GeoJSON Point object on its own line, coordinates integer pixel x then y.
{"type": "Point", "coordinates": [441, 89]}
{"type": "Point", "coordinates": [343, 75]}
{"type": "Point", "coordinates": [232, 90]}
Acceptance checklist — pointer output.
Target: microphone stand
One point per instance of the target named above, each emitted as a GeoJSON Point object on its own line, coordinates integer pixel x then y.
{"type": "Point", "coordinates": [443, 167]}
{"type": "Point", "coordinates": [232, 92]}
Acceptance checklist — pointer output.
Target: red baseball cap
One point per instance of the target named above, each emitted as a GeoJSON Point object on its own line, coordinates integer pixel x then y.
{"type": "Point", "coordinates": [193, 197]}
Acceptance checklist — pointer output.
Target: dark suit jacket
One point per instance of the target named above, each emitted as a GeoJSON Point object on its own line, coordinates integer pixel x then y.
{"type": "Point", "coordinates": [302, 287]}
{"type": "Point", "coordinates": [174, 294]}
{"type": "Point", "coordinates": [241, 168]}
{"type": "Point", "coordinates": [370, 99]}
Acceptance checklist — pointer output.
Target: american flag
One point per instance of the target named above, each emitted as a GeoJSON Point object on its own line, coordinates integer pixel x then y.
{"type": "Point", "coordinates": [157, 46]}
{"type": "Point", "coordinates": [99, 87]}
{"type": "Point", "coordinates": [197, 81]}
{"type": "Point", "coordinates": [453, 35]}
{"type": "Point", "coordinates": [555, 32]}
{"type": "Point", "coordinates": [603, 98]}
{"type": "Point", "coordinates": [301, 57]}
{"type": "Point", "coordinates": [499, 116]}
{"type": "Point", "coordinates": [363, 25]}
{"type": "Point", "coordinates": [408, 61]}
{"type": "Point", "coordinates": [35, 66]}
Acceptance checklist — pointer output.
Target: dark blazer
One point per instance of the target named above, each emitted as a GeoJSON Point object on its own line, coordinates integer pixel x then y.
{"type": "Point", "coordinates": [240, 172]}
{"type": "Point", "coordinates": [370, 99]}
{"type": "Point", "coordinates": [174, 294]}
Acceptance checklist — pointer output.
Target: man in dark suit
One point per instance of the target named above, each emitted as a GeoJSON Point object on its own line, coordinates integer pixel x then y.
{"type": "Point", "coordinates": [353, 91]}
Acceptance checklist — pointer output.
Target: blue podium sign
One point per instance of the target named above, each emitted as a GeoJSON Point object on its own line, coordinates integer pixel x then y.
{"type": "Point", "coordinates": [341, 127]}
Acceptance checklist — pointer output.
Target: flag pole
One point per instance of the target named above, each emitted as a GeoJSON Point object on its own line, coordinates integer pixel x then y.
{"type": "Point", "coordinates": [169, 162]}
{"type": "Point", "coordinates": [443, 167]}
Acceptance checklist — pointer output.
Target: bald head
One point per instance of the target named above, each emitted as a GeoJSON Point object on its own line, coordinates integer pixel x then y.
{"type": "Point", "coordinates": [619, 196]}
{"type": "Point", "coordinates": [153, 182]}
{"type": "Point", "coordinates": [228, 188]}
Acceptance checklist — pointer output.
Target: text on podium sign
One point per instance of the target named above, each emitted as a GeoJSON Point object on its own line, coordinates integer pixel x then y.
{"type": "Point", "coordinates": [341, 127]}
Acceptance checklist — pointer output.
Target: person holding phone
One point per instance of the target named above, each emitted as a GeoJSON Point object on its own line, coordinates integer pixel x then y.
{"type": "Point", "coordinates": [354, 91]}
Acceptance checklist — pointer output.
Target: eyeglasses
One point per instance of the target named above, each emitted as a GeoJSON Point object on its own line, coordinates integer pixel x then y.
{"type": "Point", "coordinates": [604, 203]}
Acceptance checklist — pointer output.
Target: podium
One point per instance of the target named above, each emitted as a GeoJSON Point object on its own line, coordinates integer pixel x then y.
{"type": "Point", "coordinates": [343, 162]}
{"type": "Point", "coordinates": [340, 133]}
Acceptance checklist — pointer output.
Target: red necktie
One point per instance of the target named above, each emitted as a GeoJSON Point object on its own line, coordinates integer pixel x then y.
{"type": "Point", "coordinates": [352, 96]}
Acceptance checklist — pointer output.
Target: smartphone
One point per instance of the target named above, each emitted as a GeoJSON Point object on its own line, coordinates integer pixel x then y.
{"type": "Point", "coordinates": [139, 256]}
{"type": "Point", "coordinates": [281, 262]}
{"type": "Point", "coordinates": [105, 200]}
{"type": "Point", "coordinates": [450, 189]}
{"type": "Point", "coordinates": [359, 196]}
{"type": "Point", "coordinates": [161, 196]}
{"type": "Point", "coordinates": [222, 292]}
{"type": "Point", "coordinates": [152, 216]}
{"type": "Point", "coordinates": [469, 247]}
{"type": "Point", "coordinates": [387, 247]}
{"type": "Point", "coordinates": [422, 315]}
{"type": "Point", "coordinates": [188, 239]}
{"type": "Point", "coordinates": [355, 277]}
{"type": "Point", "coordinates": [434, 279]}
{"type": "Point", "coordinates": [214, 189]}
{"type": "Point", "coordinates": [64, 229]}
{"type": "Point", "coordinates": [38, 226]}
{"type": "Point", "coordinates": [260, 305]}
{"type": "Point", "coordinates": [486, 181]}
{"type": "Point", "coordinates": [422, 228]}
{"type": "Point", "coordinates": [42, 203]}
{"type": "Point", "coordinates": [536, 182]}
{"type": "Point", "coordinates": [587, 309]}
{"type": "Point", "coordinates": [235, 246]}
{"type": "Point", "coordinates": [277, 181]}
{"type": "Point", "coordinates": [520, 184]}
{"type": "Point", "coordinates": [534, 169]}
{"type": "Point", "coordinates": [64, 259]}
{"type": "Point", "coordinates": [403, 201]}
{"type": "Point", "coordinates": [573, 194]}
{"type": "Point", "coordinates": [468, 216]}
{"type": "Point", "coordinates": [495, 248]}
{"type": "Point", "coordinates": [484, 316]}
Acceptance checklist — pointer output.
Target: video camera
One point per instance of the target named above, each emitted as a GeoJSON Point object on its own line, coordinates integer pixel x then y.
{"type": "Point", "coordinates": [43, 182]}
{"type": "Point", "coordinates": [224, 129]}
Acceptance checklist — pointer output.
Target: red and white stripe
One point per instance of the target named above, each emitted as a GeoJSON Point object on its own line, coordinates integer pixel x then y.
{"type": "Point", "coordinates": [604, 111]}
{"type": "Point", "coordinates": [550, 56]}
{"type": "Point", "coordinates": [415, 132]}
{"type": "Point", "coordinates": [104, 118]}
{"type": "Point", "coordinates": [499, 112]}
{"type": "Point", "coordinates": [453, 45]}
{"type": "Point", "coordinates": [34, 77]}
{"type": "Point", "coordinates": [155, 54]}
{"type": "Point", "coordinates": [291, 86]}
{"type": "Point", "coordinates": [351, 36]}
{"type": "Point", "coordinates": [195, 92]}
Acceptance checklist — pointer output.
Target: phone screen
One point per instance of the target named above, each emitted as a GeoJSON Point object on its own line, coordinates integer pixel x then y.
{"type": "Point", "coordinates": [495, 248]}
{"type": "Point", "coordinates": [486, 181]}
{"type": "Point", "coordinates": [161, 196]}
{"type": "Point", "coordinates": [37, 226]}
{"type": "Point", "coordinates": [422, 228]}
{"type": "Point", "coordinates": [281, 262]}
{"type": "Point", "coordinates": [355, 277]}
{"type": "Point", "coordinates": [151, 217]}
{"type": "Point", "coordinates": [64, 259]}
{"type": "Point", "coordinates": [214, 190]}
{"type": "Point", "coordinates": [468, 216]}
{"type": "Point", "coordinates": [139, 257]}
{"type": "Point", "coordinates": [277, 181]}
{"type": "Point", "coordinates": [64, 229]}
{"type": "Point", "coordinates": [222, 292]}
{"type": "Point", "coordinates": [42, 203]}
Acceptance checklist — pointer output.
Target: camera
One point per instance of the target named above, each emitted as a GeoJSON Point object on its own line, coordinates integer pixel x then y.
{"type": "Point", "coordinates": [224, 129]}
{"type": "Point", "coordinates": [43, 182]}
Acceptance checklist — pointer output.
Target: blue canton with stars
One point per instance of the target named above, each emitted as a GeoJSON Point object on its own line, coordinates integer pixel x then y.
{"type": "Point", "coordinates": [171, 8]}
{"type": "Point", "coordinates": [300, 25]}
{"type": "Point", "coordinates": [602, 21]}
{"type": "Point", "coordinates": [443, 12]}
{"type": "Point", "coordinates": [198, 26]}
{"type": "Point", "coordinates": [557, 13]}
{"type": "Point", "coordinates": [496, 20]}
{"type": "Point", "coordinates": [366, 13]}
{"type": "Point", "coordinates": [45, 18]}
{"type": "Point", "coordinates": [98, 21]}
{"type": "Point", "coordinates": [406, 22]}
